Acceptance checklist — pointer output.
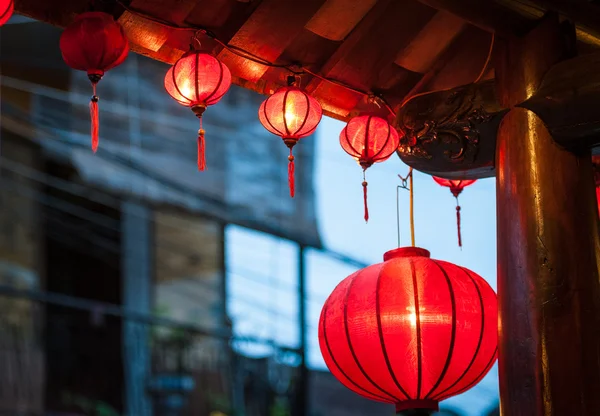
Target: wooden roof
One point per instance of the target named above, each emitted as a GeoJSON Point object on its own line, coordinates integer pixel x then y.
{"type": "Point", "coordinates": [389, 47]}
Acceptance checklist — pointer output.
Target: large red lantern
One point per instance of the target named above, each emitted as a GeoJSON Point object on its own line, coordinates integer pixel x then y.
{"type": "Point", "coordinates": [94, 43]}
{"type": "Point", "coordinates": [291, 114]}
{"type": "Point", "coordinates": [6, 10]}
{"type": "Point", "coordinates": [456, 187]}
{"type": "Point", "coordinates": [411, 331]}
{"type": "Point", "coordinates": [369, 139]}
{"type": "Point", "coordinates": [198, 80]}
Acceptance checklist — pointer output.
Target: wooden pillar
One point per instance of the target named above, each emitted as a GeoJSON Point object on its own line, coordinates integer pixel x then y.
{"type": "Point", "coordinates": [548, 246]}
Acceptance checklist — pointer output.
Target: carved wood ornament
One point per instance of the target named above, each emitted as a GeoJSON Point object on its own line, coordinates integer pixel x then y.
{"type": "Point", "coordinates": [443, 131]}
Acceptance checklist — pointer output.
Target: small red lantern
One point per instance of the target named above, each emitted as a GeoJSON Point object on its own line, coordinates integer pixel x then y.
{"type": "Point", "coordinates": [6, 10]}
{"type": "Point", "coordinates": [94, 43]}
{"type": "Point", "coordinates": [411, 331]}
{"type": "Point", "coordinates": [456, 187]}
{"type": "Point", "coordinates": [198, 80]}
{"type": "Point", "coordinates": [291, 114]}
{"type": "Point", "coordinates": [369, 139]}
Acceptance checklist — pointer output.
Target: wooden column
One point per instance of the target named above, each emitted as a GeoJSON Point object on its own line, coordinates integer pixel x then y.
{"type": "Point", "coordinates": [548, 246]}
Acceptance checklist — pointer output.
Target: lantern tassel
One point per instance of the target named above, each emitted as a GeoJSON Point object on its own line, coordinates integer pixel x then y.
{"type": "Point", "coordinates": [365, 184]}
{"type": "Point", "coordinates": [94, 118]}
{"type": "Point", "coordinates": [291, 170]}
{"type": "Point", "coordinates": [201, 148]}
{"type": "Point", "coordinates": [458, 223]}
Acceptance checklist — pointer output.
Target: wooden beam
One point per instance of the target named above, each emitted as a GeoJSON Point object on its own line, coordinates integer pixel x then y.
{"type": "Point", "coordinates": [533, 11]}
{"type": "Point", "coordinates": [336, 18]}
{"type": "Point", "coordinates": [584, 14]}
{"type": "Point", "coordinates": [267, 33]}
{"type": "Point", "coordinates": [487, 15]}
{"type": "Point", "coordinates": [548, 248]}
{"type": "Point", "coordinates": [567, 102]}
{"type": "Point", "coordinates": [432, 40]}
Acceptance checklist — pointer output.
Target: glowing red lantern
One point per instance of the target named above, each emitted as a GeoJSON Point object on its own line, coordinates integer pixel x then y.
{"type": "Point", "coordinates": [198, 80]}
{"type": "Point", "coordinates": [456, 187]}
{"type": "Point", "coordinates": [369, 139]}
{"type": "Point", "coordinates": [94, 43]}
{"type": "Point", "coordinates": [291, 114]}
{"type": "Point", "coordinates": [410, 331]}
{"type": "Point", "coordinates": [6, 10]}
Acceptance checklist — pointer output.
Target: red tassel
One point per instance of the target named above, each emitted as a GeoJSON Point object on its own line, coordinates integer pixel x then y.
{"type": "Point", "coordinates": [458, 225]}
{"type": "Point", "coordinates": [291, 169]}
{"type": "Point", "coordinates": [364, 184]}
{"type": "Point", "coordinates": [95, 119]}
{"type": "Point", "coordinates": [201, 148]}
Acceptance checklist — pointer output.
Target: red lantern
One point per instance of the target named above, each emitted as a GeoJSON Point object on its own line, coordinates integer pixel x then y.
{"type": "Point", "coordinates": [6, 10]}
{"type": "Point", "coordinates": [456, 187]}
{"type": "Point", "coordinates": [411, 331]}
{"type": "Point", "coordinates": [198, 80]}
{"type": "Point", "coordinates": [291, 114]}
{"type": "Point", "coordinates": [369, 139]}
{"type": "Point", "coordinates": [94, 43]}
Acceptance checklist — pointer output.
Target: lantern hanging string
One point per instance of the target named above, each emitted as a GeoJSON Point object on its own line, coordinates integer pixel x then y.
{"type": "Point", "coordinates": [412, 211]}
{"type": "Point", "coordinates": [408, 178]}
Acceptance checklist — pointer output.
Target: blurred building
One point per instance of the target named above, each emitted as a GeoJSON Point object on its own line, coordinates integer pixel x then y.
{"type": "Point", "coordinates": [112, 266]}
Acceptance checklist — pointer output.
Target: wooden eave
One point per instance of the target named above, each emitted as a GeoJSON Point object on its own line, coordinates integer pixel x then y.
{"type": "Point", "coordinates": [392, 48]}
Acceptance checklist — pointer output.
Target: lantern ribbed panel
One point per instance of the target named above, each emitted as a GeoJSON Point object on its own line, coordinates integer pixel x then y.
{"type": "Point", "coordinates": [94, 42]}
{"type": "Point", "coordinates": [290, 113]}
{"type": "Point", "coordinates": [410, 331]}
{"type": "Point", "coordinates": [369, 139]}
{"type": "Point", "coordinates": [198, 78]}
{"type": "Point", "coordinates": [6, 10]}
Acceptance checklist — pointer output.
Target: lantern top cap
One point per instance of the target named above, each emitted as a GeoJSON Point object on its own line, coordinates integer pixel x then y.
{"type": "Point", "coordinates": [406, 252]}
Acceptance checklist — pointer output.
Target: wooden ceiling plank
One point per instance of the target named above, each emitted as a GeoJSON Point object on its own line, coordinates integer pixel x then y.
{"type": "Point", "coordinates": [267, 33]}
{"type": "Point", "coordinates": [309, 49]}
{"type": "Point", "coordinates": [466, 60]}
{"type": "Point", "coordinates": [148, 34]}
{"type": "Point", "coordinates": [144, 32]}
{"type": "Point", "coordinates": [336, 18]}
{"type": "Point", "coordinates": [223, 17]}
{"type": "Point", "coordinates": [390, 25]}
{"type": "Point", "coordinates": [431, 42]}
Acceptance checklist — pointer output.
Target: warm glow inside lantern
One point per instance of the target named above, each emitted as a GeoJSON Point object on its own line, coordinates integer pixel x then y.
{"type": "Point", "coordinates": [456, 187]}
{"type": "Point", "coordinates": [410, 331]}
{"type": "Point", "coordinates": [291, 114]}
{"type": "Point", "coordinates": [369, 139]}
{"type": "Point", "coordinates": [94, 43]}
{"type": "Point", "coordinates": [6, 10]}
{"type": "Point", "coordinates": [198, 80]}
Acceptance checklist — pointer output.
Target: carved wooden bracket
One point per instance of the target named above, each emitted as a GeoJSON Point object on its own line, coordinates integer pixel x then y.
{"type": "Point", "coordinates": [451, 133]}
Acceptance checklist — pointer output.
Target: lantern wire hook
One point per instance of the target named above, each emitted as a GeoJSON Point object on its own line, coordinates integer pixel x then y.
{"type": "Point", "coordinates": [195, 43]}
{"type": "Point", "coordinates": [406, 183]}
